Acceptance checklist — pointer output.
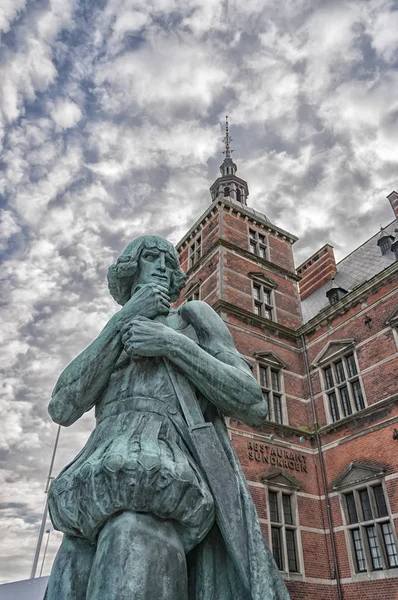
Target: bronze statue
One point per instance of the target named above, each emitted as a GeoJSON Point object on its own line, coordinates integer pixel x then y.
{"type": "Point", "coordinates": [155, 506]}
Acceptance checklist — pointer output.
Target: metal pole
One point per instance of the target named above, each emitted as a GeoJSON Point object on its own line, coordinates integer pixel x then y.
{"type": "Point", "coordinates": [48, 531]}
{"type": "Point", "coordinates": [45, 510]}
{"type": "Point", "coordinates": [323, 472]}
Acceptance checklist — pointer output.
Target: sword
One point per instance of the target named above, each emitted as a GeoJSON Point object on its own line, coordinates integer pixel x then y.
{"type": "Point", "coordinates": [219, 473]}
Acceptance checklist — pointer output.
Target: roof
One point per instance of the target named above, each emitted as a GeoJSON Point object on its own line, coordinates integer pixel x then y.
{"type": "Point", "coordinates": [28, 589]}
{"type": "Point", "coordinates": [362, 264]}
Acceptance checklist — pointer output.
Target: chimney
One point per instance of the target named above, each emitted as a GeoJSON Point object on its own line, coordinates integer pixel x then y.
{"type": "Point", "coordinates": [317, 270]}
{"type": "Point", "coordinates": [393, 198]}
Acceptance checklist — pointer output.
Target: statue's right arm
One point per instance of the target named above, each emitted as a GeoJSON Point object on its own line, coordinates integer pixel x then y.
{"type": "Point", "coordinates": [83, 381]}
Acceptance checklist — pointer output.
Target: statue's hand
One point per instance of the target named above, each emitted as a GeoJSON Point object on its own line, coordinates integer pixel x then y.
{"type": "Point", "coordinates": [144, 337]}
{"type": "Point", "coordinates": [149, 301]}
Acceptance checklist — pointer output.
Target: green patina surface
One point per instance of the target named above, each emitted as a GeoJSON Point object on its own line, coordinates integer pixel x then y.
{"type": "Point", "coordinates": [156, 506]}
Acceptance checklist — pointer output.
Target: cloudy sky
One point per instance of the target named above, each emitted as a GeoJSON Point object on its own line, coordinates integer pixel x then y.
{"type": "Point", "coordinates": [111, 116]}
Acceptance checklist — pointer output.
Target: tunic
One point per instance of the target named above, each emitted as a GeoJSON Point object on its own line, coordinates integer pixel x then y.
{"type": "Point", "coordinates": [137, 459]}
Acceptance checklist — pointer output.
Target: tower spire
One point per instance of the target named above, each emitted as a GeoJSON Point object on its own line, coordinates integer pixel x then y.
{"type": "Point", "coordinates": [228, 166]}
{"type": "Point", "coordinates": [229, 185]}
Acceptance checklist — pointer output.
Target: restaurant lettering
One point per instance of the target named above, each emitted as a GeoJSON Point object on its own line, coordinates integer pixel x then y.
{"type": "Point", "coordinates": [276, 457]}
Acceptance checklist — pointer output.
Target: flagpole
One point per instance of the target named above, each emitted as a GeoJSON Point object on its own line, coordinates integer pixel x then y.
{"type": "Point", "coordinates": [45, 509]}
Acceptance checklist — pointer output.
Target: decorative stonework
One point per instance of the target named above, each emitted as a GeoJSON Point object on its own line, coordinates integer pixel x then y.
{"type": "Point", "coordinates": [281, 479]}
{"type": "Point", "coordinates": [357, 473]}
{"type": "Point", "coordinates": [333, 349]}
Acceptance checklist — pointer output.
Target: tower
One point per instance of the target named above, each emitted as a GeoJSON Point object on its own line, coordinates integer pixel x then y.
{"type": "Point", "coordinates": [241, 264]}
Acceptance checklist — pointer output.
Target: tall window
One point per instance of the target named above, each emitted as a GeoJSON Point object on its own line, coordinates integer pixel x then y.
{"type": "Point", "coordinates": [283, 530]}
{"type": "Point", "coordinates": [270, 383]}
{"type": "Point", "coordinates": [195, 251]}
{"type": "Point", "coordinates": [257, 243]}
{"type": "Point", "coordinates": [372, 537]}
{"type": "Point", "coordinates": [343, 387]}
{"type": "Point", "coordinates": [262, 297]}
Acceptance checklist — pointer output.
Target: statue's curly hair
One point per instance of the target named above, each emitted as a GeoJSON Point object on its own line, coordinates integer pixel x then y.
{"type": "Point", "coordinates": [121, 274]}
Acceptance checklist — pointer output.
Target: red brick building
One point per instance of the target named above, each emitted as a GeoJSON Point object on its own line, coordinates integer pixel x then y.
{"type": "Point", "coordinates": [322, 340]}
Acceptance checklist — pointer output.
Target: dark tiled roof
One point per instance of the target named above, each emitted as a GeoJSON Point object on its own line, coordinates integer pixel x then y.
{"type": "Point", "coordinates": [361, 265]}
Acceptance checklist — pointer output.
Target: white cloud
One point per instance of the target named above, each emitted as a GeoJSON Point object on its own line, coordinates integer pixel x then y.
{"type": "Point", "coordinates": [66, 114]}
{"type": "Point", "coordinates": [9, 10]}
{"type": "Point", "coordinates": [382, 27]}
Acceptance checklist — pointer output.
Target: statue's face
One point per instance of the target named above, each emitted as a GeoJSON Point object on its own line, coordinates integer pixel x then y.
{"type": "Point", "coordinates": [155, 266]}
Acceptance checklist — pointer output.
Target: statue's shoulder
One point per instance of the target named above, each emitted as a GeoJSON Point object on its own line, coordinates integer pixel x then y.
{"type": "Point", "coordinates": [213, 334]}
{"type": "Point", "coordinates": [201, 314]}
{"type": "Point", "coordinates": [209, 327]}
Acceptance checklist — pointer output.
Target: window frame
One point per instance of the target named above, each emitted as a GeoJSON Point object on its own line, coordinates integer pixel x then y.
{"type": "Point", "coordinates": [194, 252]}
{"type": "Point", "coordinates": [346, 396]}
{"type": "Point", "coordinates": [194, 295]}
{"type": "Point", "coordinates": [264, 302]}
{"type": "Point", "coordinates": [270, 394]}
{"type": "Point", "coordinates": [284, 564]}
{"type": "Point", "coordinates": [370, 563]}
{"type": "Point", "coordinates": [258, 243]}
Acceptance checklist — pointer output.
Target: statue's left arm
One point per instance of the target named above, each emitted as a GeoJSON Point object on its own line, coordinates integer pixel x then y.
{"type": "Point", "coordinates": [215, 367]}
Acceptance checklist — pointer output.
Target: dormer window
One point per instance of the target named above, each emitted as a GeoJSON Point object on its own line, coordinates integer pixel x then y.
{"type": "Point", "coordinates": [385, 242]}
{"type": "Point", "coordinates": [335, 293]}
{"type": "Point", "coordinates": [394, 247]}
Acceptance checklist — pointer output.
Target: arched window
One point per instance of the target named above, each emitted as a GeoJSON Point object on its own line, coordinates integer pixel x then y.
{"type": "Point", "coordinates": [238, 195]}
{"type": "Point", "coordinates": [226, 192]}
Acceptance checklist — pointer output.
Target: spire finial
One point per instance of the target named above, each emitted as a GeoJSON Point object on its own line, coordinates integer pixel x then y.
{"type": "Point", "coordinates": [227, 140]}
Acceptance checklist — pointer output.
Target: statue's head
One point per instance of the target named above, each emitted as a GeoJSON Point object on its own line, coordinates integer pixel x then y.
{"type": "Point", "coordinates": [147, 258]}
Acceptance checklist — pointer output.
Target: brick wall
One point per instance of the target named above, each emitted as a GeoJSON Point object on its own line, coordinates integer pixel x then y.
{"type": "Point", "coordinates": [223, 274]}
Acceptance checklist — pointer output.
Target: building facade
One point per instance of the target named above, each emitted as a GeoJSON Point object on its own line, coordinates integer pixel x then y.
{"type": "Point", "coordinates": [322, 341]}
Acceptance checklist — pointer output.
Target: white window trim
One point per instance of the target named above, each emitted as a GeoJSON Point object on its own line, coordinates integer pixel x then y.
{"type": "Point", "coordinates": [322, 365]}
{"type": "Point", "coordinates": [194, 247]}
{"type": "Point", "coordinates": [193, 293]}
{"type": "Point", "coordinates": [392, 321]}
{"type": "Point", "coordinates": [258, 243]}
{"type": "Point", "coordinates": [368, 574]}
{"type": "Point", "coordinates": [269, 289]}
{"type": "Point", "coordinates": [272, 366]}
{"type": "Point", "coordinates": [296, 526]}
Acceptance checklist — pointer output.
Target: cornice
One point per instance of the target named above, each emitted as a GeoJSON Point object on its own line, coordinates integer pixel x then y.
{"type": "Point", "coordinates": [249, 214]}
{"type": "Point", "coordinates": [257, 217]}
{"type": "Point", "coordinates": [350, 300]}
{"type": "Point", "coordinates": [280, 430]}
{"type": "Point", "coordinates": [358, 416]}
{"type": "Point", "coordinates": [252, 319]}
{"type": "Point", "coordinates": [245, 254]}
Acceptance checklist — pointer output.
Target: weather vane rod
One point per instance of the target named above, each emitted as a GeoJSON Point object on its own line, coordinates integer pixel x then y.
{"type": "Point", "coordinates": [227, 140]}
